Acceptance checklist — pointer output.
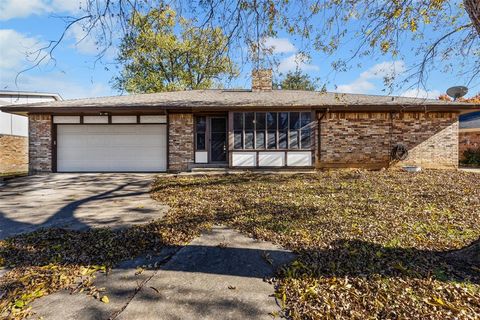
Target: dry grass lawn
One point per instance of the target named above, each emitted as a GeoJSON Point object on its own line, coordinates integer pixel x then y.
{"type": "Point", "coordinates": [371, 245]}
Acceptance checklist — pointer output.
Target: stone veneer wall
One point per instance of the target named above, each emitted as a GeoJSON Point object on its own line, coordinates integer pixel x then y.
{"type": "Point", "coordinates": [13, 154]}
{"type": "Point", "coordinates": [361, 139]}
{"type": "Point", "coordinates": [180, 141]}
{"type": "Point", "coordinates": [40, 143]}
{"type": "Point", "coordinates": [468, 140]}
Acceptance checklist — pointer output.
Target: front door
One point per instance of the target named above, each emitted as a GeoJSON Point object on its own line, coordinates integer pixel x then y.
{"type": "Point", "coordinates": [218, 139]}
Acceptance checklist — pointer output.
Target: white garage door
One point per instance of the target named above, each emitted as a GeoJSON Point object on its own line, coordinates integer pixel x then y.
{"type": "Point", "coordinates": [96, 148]}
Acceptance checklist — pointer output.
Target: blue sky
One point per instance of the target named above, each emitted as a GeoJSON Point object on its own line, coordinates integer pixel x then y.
{"type": "Point", "coordinates": [26, 24]}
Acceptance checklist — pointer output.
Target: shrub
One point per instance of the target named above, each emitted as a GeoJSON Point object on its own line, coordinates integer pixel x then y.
{"type": "Point", "coordinates": [471, 157]}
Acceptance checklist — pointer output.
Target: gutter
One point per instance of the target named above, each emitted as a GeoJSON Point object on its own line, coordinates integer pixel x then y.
{"type": "Point", "coordinates": [25, 109]}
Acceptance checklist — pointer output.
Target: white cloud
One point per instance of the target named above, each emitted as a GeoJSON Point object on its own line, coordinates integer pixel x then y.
{"type": "Point", "coordinates": [87, 44]}
{"type": "Point", "coordinates": [84, 43]}
{"type": "Point", "coordinates": [11, 9]}
{"type": "Point", "coordinates": [358, 86]}
{"type": "Point", "coordinates": [279, 45]}
{"type": "Point", "coordinates": [15, 48]}
{"type": "Point", "coordinates": [421, 93]}
{"type": "Point", "coordinates": [56, 82]}
{"type": "Point", "coordinates": [384, 69]}
{"type": "Point", "coordinates": [13, 58]}
{"type": "Point", "coordinates": [365, 82]}
{"type": "Point", "coordinates": [296, 61]}
{"type": "Point", "coordinates": [62, 84]}
{"type": "Point", "coordinates": [67, 5]}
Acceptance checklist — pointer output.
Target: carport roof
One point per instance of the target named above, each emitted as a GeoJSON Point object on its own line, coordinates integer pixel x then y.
{"type": "Point", "coordinates": [240, 99]}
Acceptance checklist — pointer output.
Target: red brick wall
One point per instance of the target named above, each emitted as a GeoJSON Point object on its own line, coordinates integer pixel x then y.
{"type": "Point", "coordinates": [468, 140]}
{"type": "Point", "coordinates": [40, 143]}
{"type": "Point", "coordinates": [180, 141]}
{"type": "Point", "coordinates": [362, 139]}
{"type": "Point", "coordinates": [354, 138]}
{"type": "Point", "coordinates": [13, 154]}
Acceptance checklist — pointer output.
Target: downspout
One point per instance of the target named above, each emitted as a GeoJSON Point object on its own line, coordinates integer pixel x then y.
{"type": "Point", "coordinates": [390, 159]}
{"type": "Point", "coordinates": [319, 144]}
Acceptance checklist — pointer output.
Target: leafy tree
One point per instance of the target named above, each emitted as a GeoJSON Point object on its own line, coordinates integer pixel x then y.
{"type": "Point", "coordinates": [474, 99]}
{"type": "Point", "coordinates": [155, 58]}
{"type": "Point", "coordinates": [296, 80]}
{"type": "Point", "coordinates": [440, 30]}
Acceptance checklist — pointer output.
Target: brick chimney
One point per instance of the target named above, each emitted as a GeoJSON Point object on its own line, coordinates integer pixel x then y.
{"type": "Point", "coordinates": [262, 80]}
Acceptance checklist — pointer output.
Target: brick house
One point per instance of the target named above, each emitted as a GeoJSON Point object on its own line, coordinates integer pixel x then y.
{"type": "Point", "coordinates": [257, 128]}
{"type": "Point", "coordinates": [469, 133]}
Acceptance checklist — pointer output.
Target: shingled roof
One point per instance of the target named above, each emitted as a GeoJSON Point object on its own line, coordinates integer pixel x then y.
{"type": "Point", "coordinates": [228, 99]}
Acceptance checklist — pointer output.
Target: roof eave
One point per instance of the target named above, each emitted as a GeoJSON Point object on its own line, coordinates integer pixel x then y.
{"type": "Point", "coordinates": [26, 109]}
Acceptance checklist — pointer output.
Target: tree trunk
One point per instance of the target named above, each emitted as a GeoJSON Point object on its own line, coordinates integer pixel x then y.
{"type": "Point", "coordinates": [469, 254]}
{"type": "Point", "coordinates": [473, 9]}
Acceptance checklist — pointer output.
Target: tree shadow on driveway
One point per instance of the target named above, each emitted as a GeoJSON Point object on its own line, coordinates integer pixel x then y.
{"type": "Point", "coordinates": [65, 216]}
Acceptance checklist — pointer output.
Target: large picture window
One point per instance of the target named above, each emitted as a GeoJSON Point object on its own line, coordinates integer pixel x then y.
{"type": "Point", "coordinates": [272, 130]}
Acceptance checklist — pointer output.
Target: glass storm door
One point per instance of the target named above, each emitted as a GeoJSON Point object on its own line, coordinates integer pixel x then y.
{"type": "Point", "coordinates": [218, 139]}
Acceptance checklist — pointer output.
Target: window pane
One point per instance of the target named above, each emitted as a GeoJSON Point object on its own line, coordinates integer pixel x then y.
{"type": "Point", "coordinates": [260, 120]}
{"type": "Point", "coordinates": [272, 139]}
{"type": "Point", "coordinates": [249, 124]}
{"type": "Point", "coordinates": [248, 139]}
{"type": "Point", "coordinates": [306, 139]}
{"type": "Point", "coordinates": [282, 139]}
{"type": "Point", "coordinates": [237, 140]}
{"type": "Point", "coordinates": [238, 121]}
{"type": "Point", "coordinates": [260, 140]}
{"type": "Point", "coordinates": [293, 140]}
{"type": "Point", "coordinates": [294, 120]}
{"type": "Point", "coordinates": [283, 121]}
{"type": "Point", "coordinates": [306, 119]}
{"type": "Point", "coordinates": [272, 120]}
{"type": "Point", "coordinates": [201, 141]}
{"type": "Point", "coordinates": [201, 124]}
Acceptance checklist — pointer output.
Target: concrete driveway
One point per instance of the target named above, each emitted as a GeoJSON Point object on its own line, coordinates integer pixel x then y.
{"type": "Point", "coordinates": [76, 201]}
{"type": "Point", "coordinates": [219, 275]}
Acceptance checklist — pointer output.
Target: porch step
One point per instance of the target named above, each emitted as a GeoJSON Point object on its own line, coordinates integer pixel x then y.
{"type": "Point", "coordinates": [209, 169]}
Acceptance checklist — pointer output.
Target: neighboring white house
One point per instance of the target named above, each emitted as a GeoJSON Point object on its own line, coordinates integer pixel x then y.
{"type": "Point", "coordinates": [11, 124]}
{"type": "Point", "coordinates": [14, 130]}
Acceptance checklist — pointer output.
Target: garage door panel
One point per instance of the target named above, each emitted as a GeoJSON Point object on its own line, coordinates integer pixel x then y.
{"type": "Point", "coordinates": [108, 166]}
{"type": "Point", "coordinates": [111, 148]}
{"type": "Point", "coordinates": [109, 152]}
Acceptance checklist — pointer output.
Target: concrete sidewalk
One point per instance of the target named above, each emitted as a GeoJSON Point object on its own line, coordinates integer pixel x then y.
{"type": "Point", "coordinates": [220, 275]}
